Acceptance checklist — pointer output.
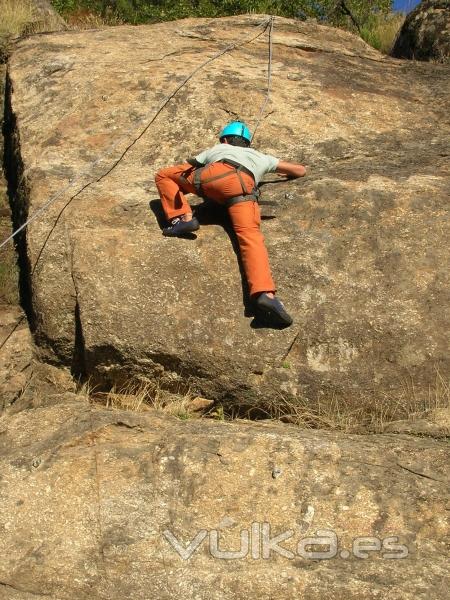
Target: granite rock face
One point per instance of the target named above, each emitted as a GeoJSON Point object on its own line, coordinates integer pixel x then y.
{"type": "Point", "coordinates": [425, 34]}
{"type": "Point", "coordinates": [101, 504]}
{"type": "Point", "coordinates": [359, 248]}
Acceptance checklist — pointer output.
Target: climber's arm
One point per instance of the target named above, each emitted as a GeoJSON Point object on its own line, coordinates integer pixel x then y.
{"type": "Point", "coordinates": [290, 169]}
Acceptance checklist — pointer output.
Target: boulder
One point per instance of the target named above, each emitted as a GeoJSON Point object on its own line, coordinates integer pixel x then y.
{"type": "Point", "coordinates": [359, 248]}
{"type": "Point", "coordinates": [425, 34]}
{"type": "Point", "coordinates": [103, 505]}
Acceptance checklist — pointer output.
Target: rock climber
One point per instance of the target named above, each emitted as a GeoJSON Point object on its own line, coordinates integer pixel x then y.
{"type": "Point", "coordinates": [229, 174]}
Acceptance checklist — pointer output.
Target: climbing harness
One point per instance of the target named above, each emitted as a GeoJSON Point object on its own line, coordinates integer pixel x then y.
{"type": "Point", "coordinates": [199, 181]}
{"type": "Point", "coordinates": [265, 25]}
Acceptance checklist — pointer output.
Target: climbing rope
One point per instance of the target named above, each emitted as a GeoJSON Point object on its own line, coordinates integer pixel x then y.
{"type": "Point", "coordinates": [269, 79]}
{"type": "Point", "coordinates": [264, 25]}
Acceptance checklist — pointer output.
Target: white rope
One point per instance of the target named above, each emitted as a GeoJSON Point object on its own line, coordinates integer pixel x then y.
{"type": "Point", "coordinates": [269, 79]}
{"type": "Point", "coordinates": [165, 101]}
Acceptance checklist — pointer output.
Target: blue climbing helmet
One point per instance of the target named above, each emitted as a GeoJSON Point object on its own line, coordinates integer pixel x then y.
{"type": "Point", "coordinates": [236, 128]}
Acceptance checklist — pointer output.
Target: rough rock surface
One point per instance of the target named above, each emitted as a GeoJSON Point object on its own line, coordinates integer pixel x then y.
{"type": "Point", "coordinates": [359, 248]}
{"type": "Point", "coordinates": [425, 34]}
{"type": "Point", "coordinates": [26, 382]}
{"type": "Point", "coordinates": [88, 493]}
{"type": "Point", "coordinates": [437, 425]}
{"type": "Point", "coordinates": [16, 354]}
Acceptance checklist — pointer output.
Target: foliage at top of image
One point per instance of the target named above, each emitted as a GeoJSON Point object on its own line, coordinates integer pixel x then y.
{"type": "Point", "coordinates": [373, 20]}
{"type": "Point", "coordinates": [354, 13]}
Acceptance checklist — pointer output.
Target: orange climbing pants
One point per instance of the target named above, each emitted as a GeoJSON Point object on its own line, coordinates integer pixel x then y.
{"type": "Point", "coordinates": [174, 182]}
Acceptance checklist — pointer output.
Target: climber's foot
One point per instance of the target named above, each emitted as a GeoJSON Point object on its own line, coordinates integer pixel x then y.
{"type": "Point", "coordinates": [272, 310]}
{"type": "Point", "coordinates": [179, 227]}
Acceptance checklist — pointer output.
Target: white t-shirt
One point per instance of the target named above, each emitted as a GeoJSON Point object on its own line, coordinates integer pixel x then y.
{"type": "Point", "coordinates": [256, 162]}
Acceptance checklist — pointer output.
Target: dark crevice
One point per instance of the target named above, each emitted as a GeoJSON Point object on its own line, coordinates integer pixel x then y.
{"type": "Point", "coordinates": [78, 368]}
{"type": "Point", "coordinates": [19, 200]}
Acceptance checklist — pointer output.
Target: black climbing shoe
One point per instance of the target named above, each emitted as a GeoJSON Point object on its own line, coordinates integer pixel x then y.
{"type": "Point", "coordinates": [273, 311]}
{"type": "Point", "coordinates": [178, 227]}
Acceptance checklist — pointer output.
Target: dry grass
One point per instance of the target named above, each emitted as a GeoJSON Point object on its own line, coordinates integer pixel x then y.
{"type": "Point", "coordinates": [84, 19]}
{"type": "Point", "coordinates": [143, 395]}
{"type": "Point", "coordinates": [353, 415]}
{"type": "Point", "coordinates": [363, 414]}
{"type": "Point", "coordinates": [15, 15]}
